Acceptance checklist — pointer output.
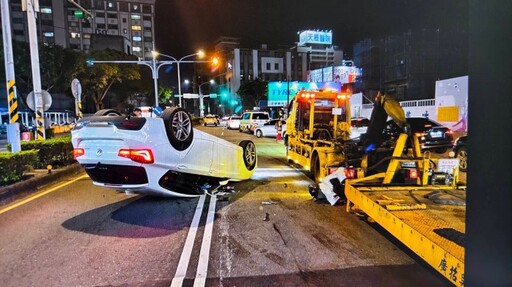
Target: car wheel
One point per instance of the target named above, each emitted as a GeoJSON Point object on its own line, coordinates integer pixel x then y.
{"type": "Point", "coordinates": [178, 126]}
{"type": "Point", "coordinates": [249, 154]}
{"type": "Point", "coordinates": [462, 155]}
{"type": "Point", "coordinates": [259, 134]}
{"type": "Point", "coordinates": [107, 112]}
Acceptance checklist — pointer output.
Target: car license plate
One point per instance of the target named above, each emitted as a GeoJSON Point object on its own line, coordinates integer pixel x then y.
{"type": "Point", "coordinates": [436, 134]}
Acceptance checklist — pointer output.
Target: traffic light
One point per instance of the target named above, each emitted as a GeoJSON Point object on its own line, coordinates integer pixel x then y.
{"type": "Point", "coordinates": [215, 62]}
{"type": "Point", "coordinates": [79, 14]}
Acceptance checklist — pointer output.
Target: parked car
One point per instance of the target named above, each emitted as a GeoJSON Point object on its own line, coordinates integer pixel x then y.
{"type": "Point", "coordinates": [223, 122]}
{"type": "Point", "coordinates": [460, 151]}
{"type": "Point", "coordinates": [268, 129]}
{"type": "Point", "coordinates": [251, 119]}
{"type": "Point", "coordinates": [234, 122]}
{"type": "Point", "coordinates": [359, 126]}
{"type": "Point", "coordinates": [432, 135]}
{"type": "Point", "coordinates": [161, 156]}
{"type": "Point", "coordinates": [210, 120]}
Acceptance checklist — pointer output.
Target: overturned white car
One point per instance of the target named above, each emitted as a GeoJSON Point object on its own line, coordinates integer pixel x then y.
{"type": "Point", "coordinates": [163, 156]}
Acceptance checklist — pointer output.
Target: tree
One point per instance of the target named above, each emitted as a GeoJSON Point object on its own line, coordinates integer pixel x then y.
{"type": "Point", "coordinates": [251, 92]}
{"type": "Point", "coordinates": [57, 66]}
{"type": "Point", "coordinates": [165, 94]}
{"type": "Point", "coordinates": [98, 79]}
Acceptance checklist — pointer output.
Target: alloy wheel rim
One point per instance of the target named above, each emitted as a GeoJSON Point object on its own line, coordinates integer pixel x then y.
{"type": "Point", "coordinates": [181, 125]}
{"type": "Point", "coordinates": [250, 154]}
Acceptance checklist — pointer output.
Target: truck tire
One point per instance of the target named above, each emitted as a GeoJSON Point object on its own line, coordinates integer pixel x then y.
{"type": "Point", "coordinates": [178, 126]}
{"type": "Point", "coordinates": [249, 154]}
{"type": "Point", "coordinates": [107, 112]}
{"type": "Point", "coordinates": [315, 169]}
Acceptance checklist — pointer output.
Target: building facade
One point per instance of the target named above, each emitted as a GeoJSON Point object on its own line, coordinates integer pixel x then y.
{"type": "Point", "coordinates": [59, 23]}
{"type": "Point", "coordinates": [313, 50]}
{"type": "Point", "coordinates": [408, 65]}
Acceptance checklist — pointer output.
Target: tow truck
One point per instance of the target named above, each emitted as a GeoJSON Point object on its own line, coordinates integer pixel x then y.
{"type": "Point", "coordinates": [316, 128]}
{"type": "Point", "coordinates": [416, 197]}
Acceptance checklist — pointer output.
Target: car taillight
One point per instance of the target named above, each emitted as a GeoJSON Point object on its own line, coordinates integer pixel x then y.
{"type": "Point", "coordinates": [137, 155]}
{"type": "Point", "coordinates": [350, 173]}
{"type": "Point", "coordinates": [450, 132]}
{"type": "Point", "coordinates": [419, 134]}
{"type": "Point", "coordinates": [78, 152]}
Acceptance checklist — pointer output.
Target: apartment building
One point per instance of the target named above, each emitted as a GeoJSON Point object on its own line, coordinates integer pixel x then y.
{"type": "Point", "coordinates": [126, 25]}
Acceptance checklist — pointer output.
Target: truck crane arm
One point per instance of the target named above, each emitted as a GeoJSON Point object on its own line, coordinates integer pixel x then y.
{"type": "Point", "coordinates": [383, 107]}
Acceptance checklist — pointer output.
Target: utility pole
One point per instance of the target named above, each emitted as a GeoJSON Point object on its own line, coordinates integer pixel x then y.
{"type": "Point", "coordinates": [13, 129]}
{"type": "Point", "coordinates": [32, 6]}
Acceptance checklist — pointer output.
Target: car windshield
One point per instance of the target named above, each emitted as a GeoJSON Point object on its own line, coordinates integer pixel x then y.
{"type": "Point", "coordinates": [421, 124]}
{"type": "Point", "coordinates": [260, 116]}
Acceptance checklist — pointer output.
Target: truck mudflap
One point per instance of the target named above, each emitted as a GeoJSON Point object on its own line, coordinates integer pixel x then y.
{"type": "Point", "coordinates": [429, 220]}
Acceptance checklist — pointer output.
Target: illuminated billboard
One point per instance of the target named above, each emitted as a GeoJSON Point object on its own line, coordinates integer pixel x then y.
{"type": "Point", "coordinates": [341, 74]}
{"type": "Point", "coordinates": [315, 37]}
{"type": "Point", "coordinates": [278, 91]}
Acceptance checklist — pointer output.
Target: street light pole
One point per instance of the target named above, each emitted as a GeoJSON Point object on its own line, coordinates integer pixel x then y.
{"type": "Point", "coordinates": [200, 53]}
{"type": "Point", "coordinates": [154, 65]}
{"type": "Point", "coordinates": [201, 97]}
{"type": "Point", "coordinates": [155, 79]}
{"type": "Point", "coordinates": [179, 85]}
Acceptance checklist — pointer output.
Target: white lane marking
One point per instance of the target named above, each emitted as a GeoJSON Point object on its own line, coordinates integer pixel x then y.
{"type": "Point", "coordinates": [181, 271]}
{"type": "Point", "coordinates": [204, 255]}
{"type": "Point", "coordinates": [20, 203]}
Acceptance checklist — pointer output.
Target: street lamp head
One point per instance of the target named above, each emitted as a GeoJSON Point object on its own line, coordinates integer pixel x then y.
{"type": "Point", "coordinates": [154, 54]}
{"type": "Point", "coordinates": [186, 82]}
{"type": "Point", "coordinates": [200, 54]}
{"type": "Point", "coordinates": [212, 82]}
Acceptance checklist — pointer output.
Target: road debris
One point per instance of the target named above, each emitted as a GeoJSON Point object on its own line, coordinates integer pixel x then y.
{"type": "Point", "coordinates": [269, 202]}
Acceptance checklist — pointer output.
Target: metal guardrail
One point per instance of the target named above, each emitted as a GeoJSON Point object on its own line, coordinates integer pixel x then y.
{"type": "Point", "coordinates": [53, 118]}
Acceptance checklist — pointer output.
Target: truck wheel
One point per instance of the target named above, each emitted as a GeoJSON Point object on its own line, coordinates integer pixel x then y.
{"type": "Point", "coordinates": [462, 155]}
{"type": "Point", "coordinates": [107, 112]}
{"type": "Point", "coordinates": [259, 134]}
{"type": "Point", "coordinates": [178, 126]}
{"type": "Point", "coordinates": [315, 169]}
{"type": "Point", "coordinates": [249, 154]}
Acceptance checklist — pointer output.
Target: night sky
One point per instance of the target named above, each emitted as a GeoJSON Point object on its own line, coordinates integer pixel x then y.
{"type": "Point", "coordinates": [184, 26]}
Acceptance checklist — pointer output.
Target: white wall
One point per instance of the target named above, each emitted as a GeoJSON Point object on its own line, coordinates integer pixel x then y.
{"type": "Point", "coordinates": [448, 108]}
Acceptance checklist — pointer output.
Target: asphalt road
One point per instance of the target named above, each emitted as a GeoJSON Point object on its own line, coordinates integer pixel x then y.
{"type": "Point", "coordinates": [269, 232]}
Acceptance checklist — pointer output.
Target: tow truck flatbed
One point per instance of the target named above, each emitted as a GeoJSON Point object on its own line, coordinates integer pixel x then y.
{"type": "Point", "coordinates": [429, 220]}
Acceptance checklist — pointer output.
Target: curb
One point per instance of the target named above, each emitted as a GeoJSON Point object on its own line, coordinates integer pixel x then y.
{"type": "Point", "coordinates": [23, 188]}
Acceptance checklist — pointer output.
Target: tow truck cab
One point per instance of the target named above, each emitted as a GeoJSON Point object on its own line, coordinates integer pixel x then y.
{"type": "Point", "coordinates": [316, 128]}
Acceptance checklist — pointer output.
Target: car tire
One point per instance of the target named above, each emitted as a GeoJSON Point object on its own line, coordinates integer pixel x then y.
{"type": "Point", "coordinates": [107, 112]}
{"type": "Point", "coordinates": [259, 134]}
{"type": "Point", "coordinates": [249, 154]}
{"type": "Point", "coordinates": [462, 155]}
{"type": "Point", "coordinates": [178, 126]}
